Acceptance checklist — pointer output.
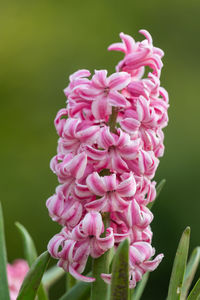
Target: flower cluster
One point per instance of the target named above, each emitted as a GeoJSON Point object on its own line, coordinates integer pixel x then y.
{"type": "Point", "coordinates": [16, 273]}
{"type": "Point", "coordinates": [110, 141]}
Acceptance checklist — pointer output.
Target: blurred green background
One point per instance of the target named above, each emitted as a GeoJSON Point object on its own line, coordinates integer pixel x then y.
{"type": "Point", "coordinates": [42, 43]}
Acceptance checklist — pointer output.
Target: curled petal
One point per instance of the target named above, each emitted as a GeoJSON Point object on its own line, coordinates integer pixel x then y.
{"type": "Point", "coordinates": [96, 184]}
{"type": "Point", "coordinates": [117, 99]}
{"type": "Point", "coordinates": [99, 80]}
{"type": "Point", "coordinates": [119, 80]}
{"type": "Point", "coordinates": [60, 120]}
{"type": "Point", "coordinates": [80, 277]}
{"type": "Point", "coordinates": [77, 165]}
{"type": "Point", "coordinates": [127, 187]}
{"type": "Point", "coordinates": [141, 216]}
{"type": "Point", "coordinates": [92, 224]}
{"type": "Point", "coordinates": [106, 278]}
{"type": "Point", "coordinates": [130, 125]}
{"type": "Point", "coordinates": [101, 108]}
{"type": "Point", "coordinates": [106, 242]}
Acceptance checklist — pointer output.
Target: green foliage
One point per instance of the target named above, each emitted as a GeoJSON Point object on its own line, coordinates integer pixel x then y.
{"type": "Point", "coordinates": [120, 273]}
{"type": "Point", "coordinates": [80, 291]}
{"type": "Point", "coordinates": [195, 293]}
{"type": "Point", "coordinates": [52, 275]}
{"type": "Point", "coordinates": [33, 278]}
{"type": "Point", "coordinates": [137, 293]}
{"type": "Point", "coordinates": [178, 270]}
{"type": "Point", "coordinates": [190, 271]}
{"type": "Point", "coordinates": [4, 292]}
{"type": "Point", "coordinates": [30, 254]}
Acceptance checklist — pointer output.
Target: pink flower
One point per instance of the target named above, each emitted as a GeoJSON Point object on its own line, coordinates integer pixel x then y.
{"type": "Point", "coordinates": [114, 193]}
{"type": "Point", "coordinates": [69, 168]}
{"type": "Point", "coordinates": [64, 210]}
{"type": "Point", "coordinates": [76, 134]}
{"type": "Point", "coordinates": [110, 139]}
{"type": "Point", "coordinates": [104, 92]}
{"type": "Point", "coordinates": [76, 246]}
{"type": "Point", "coordinates": [116, 150]}
{"type": "Point", "coordinates": [16, 273]}
{"type": "Point", "coordinates": [140, 263]}
{"type": "Point", "coordinates": [138, 55]}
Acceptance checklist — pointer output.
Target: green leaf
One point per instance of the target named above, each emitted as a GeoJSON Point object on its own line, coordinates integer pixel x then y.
{"type": "Point", "coordinates": [80, 291]}
{"type": "Point", "coordinates": [195, 293]}
{"type": "Point", "coordinates": [30, 254]}
{"type": "Point", "coordinates": [178, 270]}
{"type": "Point", "coordinates": [33, 278]}
{"type": "Point", "coordinates": [120, 273]}
{"type": "Point", "coordinates": [52, 275]}
{"type": "Point", "coordinates": [158, 190]}
{"type": "Point", "coordinates": [140, 287]}
{"type": "Point", "coordinates": [190, 271]}
{"type": "Point", "coordinates": [4, 291]}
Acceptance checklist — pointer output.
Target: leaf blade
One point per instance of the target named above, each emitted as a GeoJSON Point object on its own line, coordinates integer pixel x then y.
{"type": "Point", "coordinates": [80, 291]}
{"type": "Point", "coordinates": [30, 252]}
{"type": "Point", "coordinates": [4, 290]}
{"type": "Point", "coordinates": [190, 271]}
{"type": "Point", "coordinates": [178, 270]}
{"type": "Point", "coordinates": [195, 293]}
{"type": "Point", "coordinates": [52, 275]}
{"type": "Point", "coordinates": [140, 287]}
{"type": "Point", "coordinates": [33, 278]}
{"type": "Point", "coordinates": [120, 273]}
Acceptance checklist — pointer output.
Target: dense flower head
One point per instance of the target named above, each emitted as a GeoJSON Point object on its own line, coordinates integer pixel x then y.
{"type": "Point", "coordinates": [110, 141]}
{"type": "Point", "coordinates": [16, 273]}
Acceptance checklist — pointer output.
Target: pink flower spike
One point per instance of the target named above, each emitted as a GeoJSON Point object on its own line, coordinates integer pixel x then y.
{"type": "Point", "coordinates": [110, 139]}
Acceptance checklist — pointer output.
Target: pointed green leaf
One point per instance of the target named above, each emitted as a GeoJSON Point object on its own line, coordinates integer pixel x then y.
{"type": "Point", "coordinates": [158, 190]}
{"type": "Point", "coordinates": [80, 291]}
{"type": "Point", "coordinates": [30, 252]}
{"type": "Point", "coordinates": [190, 271]}
{"type": "Point", "coordinates": [195, 293]}
{"type": "Point", "coordinates": [33, 278]}
{"type": "Point", "coordinates": [140, 287]}
{"type": "Point", "coordinates": [120, 273]}
{"type": "Point", "coordinates": [52, 275]}
{"type": "Point", "coordinates": [178, 270]}
{"type": "Point", "coordinates": [4, 291]}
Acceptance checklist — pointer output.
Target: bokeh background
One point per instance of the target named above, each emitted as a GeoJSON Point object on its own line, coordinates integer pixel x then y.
{"type": "Point", "coordinates": [42, 43]}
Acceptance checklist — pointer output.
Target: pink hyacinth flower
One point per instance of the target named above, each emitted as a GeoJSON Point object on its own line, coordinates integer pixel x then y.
{"type": "Point", "coordinates": [110, 139]}
{"type": "Point", "coordinates": [105, 92]}
{"type": "Point", "coordinates": [116, 150]}
{"type": "Point", "coordinates": [138, 55]}
{"type": "Point", "coordinates": [64, 210]}
{"type": "Point", "coordinates": [140, 254]}
{"type": "Point", "coordinates": [16, 273]}
{"type": "Point", "coordinates": [114, 194]}
{"type": "Point", "coordinates": [76, 246]}
{"type": "Point", "coordinates": [76, 134]}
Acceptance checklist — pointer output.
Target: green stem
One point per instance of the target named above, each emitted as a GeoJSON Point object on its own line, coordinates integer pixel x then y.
{"type": "Point", "coordinates": [99, 289]}
{"type": "Point", "coordinates": [113, 119]}
{"type": "Point", "coordinates": [70, 281]}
